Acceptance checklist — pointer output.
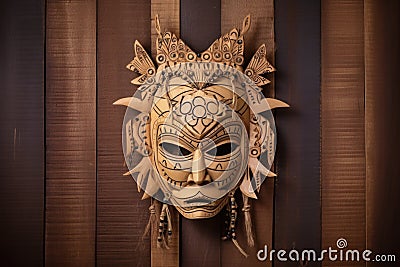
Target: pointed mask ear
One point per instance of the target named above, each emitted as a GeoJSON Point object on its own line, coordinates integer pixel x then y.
{"type": "Point", "coordinates": [268, 104]}
{"type": "Point", "coordinates": [275, 103]}
{"type": "Point", "coordinates": [134, 103]}
{"type": "Point", "coordinates": [246, 24]}
{"type": "Point", "coordinates": [246, 186]}
{"type": "Point", "coordinates": [157, 25]}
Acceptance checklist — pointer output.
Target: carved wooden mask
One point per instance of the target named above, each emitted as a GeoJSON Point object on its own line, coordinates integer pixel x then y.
{"type": "Point", "coordinates": [198, 128]}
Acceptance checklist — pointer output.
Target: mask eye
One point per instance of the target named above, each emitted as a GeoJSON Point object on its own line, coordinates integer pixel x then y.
{"type": "Point", "coordinates": [174, 149]}
{"type": "Point", "coordinates": [222, 150]}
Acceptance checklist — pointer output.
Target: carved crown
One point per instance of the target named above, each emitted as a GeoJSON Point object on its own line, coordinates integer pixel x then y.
{"type": "Point", "coordinates": [228, 50]}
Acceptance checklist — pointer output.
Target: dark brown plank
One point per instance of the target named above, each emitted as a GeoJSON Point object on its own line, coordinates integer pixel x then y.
{"type": "Point", "coordinates": [342, 126]}
{"type": "Point", "coordinates": [121, 215]}
{"type": "Point", "coordinates": [21, 132]}
{"type": "Point", "coordinates": [261, 32]}
{"type": "Point", "coordinates": [200, 239]}
{"type": "Point", "coordinates": [70, 133]}
{"type": "Point", "coordinates": [200, 23]}
{"type": "Point", "coordinates": [297, 191]}
{"type": "Point", "coordinates": [382, 121]}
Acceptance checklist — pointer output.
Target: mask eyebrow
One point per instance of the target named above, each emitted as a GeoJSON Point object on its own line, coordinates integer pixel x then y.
{"type": "Point", "coordinates": [176, 140]}
{"type": "Point", "coordinates": [167, 129]}
{"type": "Point", "coordinates": [230, 129]}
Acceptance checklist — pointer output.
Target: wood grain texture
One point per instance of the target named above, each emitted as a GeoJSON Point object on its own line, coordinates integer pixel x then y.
{"type": "Point", "coordinates": [70, 133]}
{"type": "Point", "coordinates": [169, 16]}
{"type": "Point", "coordinates": [297, 191]}
{"type": "Point", "coordinates": [261, 32]}
{"type": "Point", "coordinates": [200, 241]}
{"type": "Point", "coordinates": [121, 214]}
{"type": "Point", "coordinates": [342, 126]}
{"type": "Point", "coordinates": [382, 125]}
{"type": "Point", "coordinates": [21, 132]}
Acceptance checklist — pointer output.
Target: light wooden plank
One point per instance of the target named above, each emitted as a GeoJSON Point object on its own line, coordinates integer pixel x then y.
{"type": "Point", "coordinates": [342, 126]}
{"type": "Point", "coordinates": [121, 214]}
{"type": "Point", "coordinates": [70, 133]}
{"type": "Point", "coordinates": [168, 12]}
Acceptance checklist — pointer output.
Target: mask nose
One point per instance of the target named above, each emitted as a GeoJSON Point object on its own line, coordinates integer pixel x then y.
{"type": "Point", "coordinates": [199, 175]}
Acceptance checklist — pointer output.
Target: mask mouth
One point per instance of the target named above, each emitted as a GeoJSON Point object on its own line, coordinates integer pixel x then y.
{"type": "Point", "coordinates": [197, 201]}
{"type": "Point", "coordinates": [205, 211]}
{"type": "Point", "coordinates": [200, 195]}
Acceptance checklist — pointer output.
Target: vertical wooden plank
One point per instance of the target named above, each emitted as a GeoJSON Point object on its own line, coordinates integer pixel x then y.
{"type": "Point", "coordinates": [70, 133]}
{"type": "Point", "coordinates": [21, 132]}
{"type": "Point", "coordinates": [342, 126]}
{"type": "Point", "coordinates": [200, 23]}
{"type": "Point", "coordinates": [200, 239]}
{"type": "Point", "coordinates": [297, 191]}
{"type": "Point", "coordinates": [261, 32]}
{"type": "Point", "coordinates": [169, 16]}
{"type": "Point", "coordinates": [121, 214]}
{"type": "Point", "coordinates": [382, 117]}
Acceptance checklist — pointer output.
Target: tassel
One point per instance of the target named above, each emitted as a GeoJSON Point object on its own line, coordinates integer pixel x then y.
{"type": "Point", "coordinates": [239, 248]}
{"type": "Point", "coordinates": [151, 225]}
{"type": "Point", "coordinates": [247, 221]}
{"type": "Point", "coordinates": [169, 224]}
{"type": "Point", "coordinates": [152, 219]}
{"type": "Point", "coordinates": [231, 223]}
{"type": "Point", "coordinates": [164, 228]}
{"type": "Point", "coordinates": [160, 237]}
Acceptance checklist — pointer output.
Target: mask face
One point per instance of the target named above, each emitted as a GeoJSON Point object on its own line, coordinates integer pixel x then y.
{"type": "Point", "coordinates": [203, 131]}
{"type": "Point", "coordinates": [200, 146]}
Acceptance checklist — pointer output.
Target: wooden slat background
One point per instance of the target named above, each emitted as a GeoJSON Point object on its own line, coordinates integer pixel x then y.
{"type": "Point", "coordinates": [70, 133]}
{"type": "Point", "coordinates": [64, 201]}
{"type": "Point", "coordinates": [297, 191]}
{"type": "Point", "coordinates": [342, 126]}
{"type": "Point", "coordinates": [21, 133]}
